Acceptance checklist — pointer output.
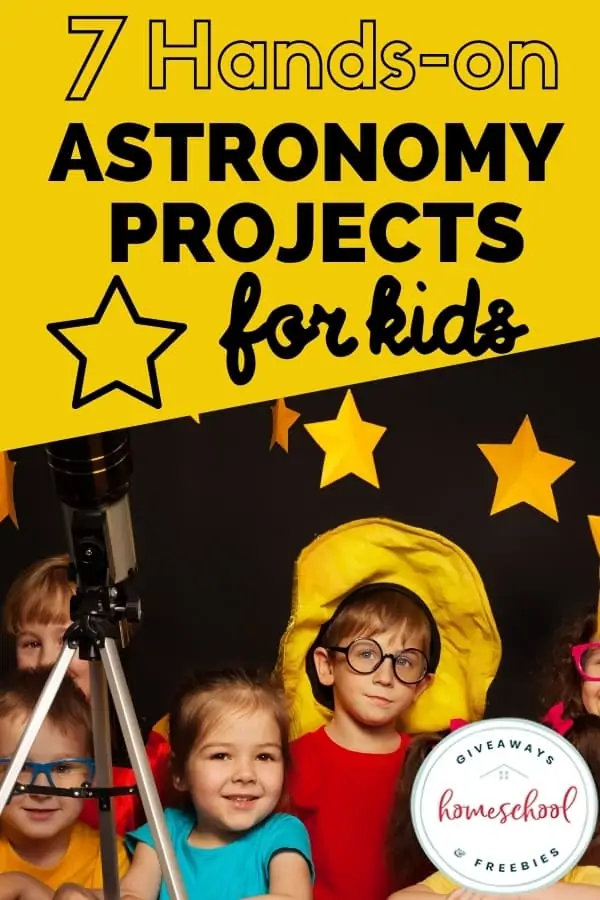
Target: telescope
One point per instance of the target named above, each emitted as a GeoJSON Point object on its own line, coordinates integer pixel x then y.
{"type": "Point", "coordinates": [92, 477]}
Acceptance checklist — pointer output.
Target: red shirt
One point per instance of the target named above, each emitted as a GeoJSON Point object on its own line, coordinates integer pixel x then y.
{"type": "Point", "coordinates": [128, 810]}
{"type": "Point", "coordinates": [345, 800]}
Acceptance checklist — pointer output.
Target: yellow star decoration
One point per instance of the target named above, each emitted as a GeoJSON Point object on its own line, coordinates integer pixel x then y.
{"type": "Point", "coordinates": [7, 500]}
{"type": "Point", "coordinates": [525, 473]}
{"type": "Point", "coordinates": [594, 523]}
{"type": "Point", "coordinates": [349, 443]}
{"type": "Point", "coordinates": [283, 419]}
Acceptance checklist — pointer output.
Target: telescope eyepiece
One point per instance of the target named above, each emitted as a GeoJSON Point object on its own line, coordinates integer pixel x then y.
{"type": "Point", "coordinates": [91, 472]}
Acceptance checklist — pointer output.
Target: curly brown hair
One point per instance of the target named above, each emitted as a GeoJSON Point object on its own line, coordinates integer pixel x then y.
{"type": "Point", "coordinates": [407, 861]}
{"type": "Point", "coordinates": [563, 684]}
{"type": "Point", "coordinates": [585, 737]}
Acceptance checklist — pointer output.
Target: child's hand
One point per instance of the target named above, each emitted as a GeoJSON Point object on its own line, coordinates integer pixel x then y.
{"type": "Point", "coordinates": [17, 886]}
{"type": "Point", "coordinates": [464, 894]}
{"type": "Point", "coordinates": [74, 892]}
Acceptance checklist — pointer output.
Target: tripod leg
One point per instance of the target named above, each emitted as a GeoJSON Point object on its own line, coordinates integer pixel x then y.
{"type": "Point", "coordinates": [104, 776]}
{"type": "Point", "coordinates": [42, 707]}
{"type": "Point", "coordinates": [139, 760]}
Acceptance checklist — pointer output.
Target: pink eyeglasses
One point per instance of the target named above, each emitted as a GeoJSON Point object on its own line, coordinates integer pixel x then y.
{"type": "Point", "coordinates": [587, 660]}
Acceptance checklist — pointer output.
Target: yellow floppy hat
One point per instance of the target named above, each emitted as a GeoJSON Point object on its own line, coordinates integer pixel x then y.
{"type": "Point", "coordinates": [369, 551]}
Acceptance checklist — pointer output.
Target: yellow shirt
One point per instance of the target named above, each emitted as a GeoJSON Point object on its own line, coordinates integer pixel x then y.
{"type": "Point", "coordinates": [81, 864]}
{"type": "Point", "coordinates": [439, 884]}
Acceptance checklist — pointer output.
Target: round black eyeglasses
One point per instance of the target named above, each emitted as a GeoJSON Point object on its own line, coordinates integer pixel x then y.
{"type": "Point", "coordinates": [365, 656]}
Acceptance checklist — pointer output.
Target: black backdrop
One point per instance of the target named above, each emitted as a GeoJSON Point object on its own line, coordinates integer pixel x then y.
{"type": "Point", "coordinates": [219, 520]}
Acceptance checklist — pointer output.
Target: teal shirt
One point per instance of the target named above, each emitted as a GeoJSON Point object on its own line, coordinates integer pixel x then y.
{"type": "Point", "coordinates": [233, 872]}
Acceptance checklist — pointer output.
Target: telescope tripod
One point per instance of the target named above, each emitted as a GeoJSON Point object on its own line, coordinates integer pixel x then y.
{"type": "Point", "coordinates": [93, 634]}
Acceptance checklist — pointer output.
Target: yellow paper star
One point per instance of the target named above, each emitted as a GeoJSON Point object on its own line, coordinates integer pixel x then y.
{"type": "Point", "coordinates": [7, 500]}
{"type": "Point", "coordinates": [349, 443]}
{"type": "Point", "coordinates": [525, 473]}
{"type": "Point", "coordinates": [594, 523]}
{"type": "Point", "coordinates": [283, 419]}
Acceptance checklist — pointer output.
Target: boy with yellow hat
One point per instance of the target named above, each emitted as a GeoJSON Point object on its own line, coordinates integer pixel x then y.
{"type": "Point", "coordinates": [391, 632]}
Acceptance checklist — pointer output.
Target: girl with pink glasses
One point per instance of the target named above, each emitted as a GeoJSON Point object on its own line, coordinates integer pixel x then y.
{"type": "Point", "coordinates": [576, 674]}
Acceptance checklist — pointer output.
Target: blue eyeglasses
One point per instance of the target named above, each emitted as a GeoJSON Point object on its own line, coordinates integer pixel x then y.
{"type": "Point", "coordinates": [60, 773]}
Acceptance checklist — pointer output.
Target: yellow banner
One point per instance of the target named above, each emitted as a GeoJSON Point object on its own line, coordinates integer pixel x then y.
{"type": "Point", "coordinates": [208, 205]}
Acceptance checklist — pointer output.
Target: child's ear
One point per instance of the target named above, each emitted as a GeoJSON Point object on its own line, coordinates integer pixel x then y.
{"type": "Point", "coordinates": [423, 685]}
{"type": "Point", "coordinates": [324, 666]}
{"type": "Point", "coordinates": [179, 781]}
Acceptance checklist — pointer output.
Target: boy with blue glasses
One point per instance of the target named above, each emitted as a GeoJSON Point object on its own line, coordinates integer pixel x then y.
{"type": "Point", "coordinates": [42, 843]}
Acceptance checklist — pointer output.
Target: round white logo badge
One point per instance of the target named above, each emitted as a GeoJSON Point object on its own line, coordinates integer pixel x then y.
{"type": "Point", "coordinates": [504, 805]}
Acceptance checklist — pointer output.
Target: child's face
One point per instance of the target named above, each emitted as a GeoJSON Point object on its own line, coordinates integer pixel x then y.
{"type": "Point", "coordinates": [37, 817]}
{"type": "Point", "coordinates": [235, 775]}
{"type": "Point", "coordinates": [590, 690]}
{"type": "Point", "coordinates": [377, 699]}
{"type": "Point", "coordinates": [39, 645]}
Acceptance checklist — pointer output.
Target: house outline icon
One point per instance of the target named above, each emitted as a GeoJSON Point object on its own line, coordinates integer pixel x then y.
{"type": "Point", "coordinates": [506, 768]}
